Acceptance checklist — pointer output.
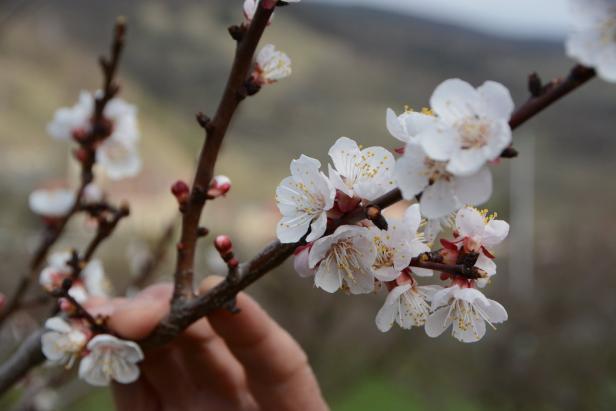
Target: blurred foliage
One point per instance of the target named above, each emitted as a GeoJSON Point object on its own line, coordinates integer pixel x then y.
{"type": "Point", "coordinates": [556, 352]}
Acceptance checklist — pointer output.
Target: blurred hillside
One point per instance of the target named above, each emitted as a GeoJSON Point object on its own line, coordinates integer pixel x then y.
{"type": "Point", "coordinates": [349, 64]}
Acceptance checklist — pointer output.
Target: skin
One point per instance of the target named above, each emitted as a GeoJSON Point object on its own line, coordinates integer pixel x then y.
{"type": "Point", "coordinates": [243, 362]}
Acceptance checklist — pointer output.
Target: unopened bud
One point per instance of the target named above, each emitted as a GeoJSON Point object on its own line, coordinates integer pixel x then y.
{"type": "Point", "coordinates": [181, 191]}
{"type": "Point", "coordinates": [2, 301]}
{"type": "Point", "coordinates": [219, 187]}
{"type": "Point", "coordinates": [223, 244]}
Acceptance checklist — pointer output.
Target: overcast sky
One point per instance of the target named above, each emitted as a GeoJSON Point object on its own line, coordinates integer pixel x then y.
{"type": "Point", "coordinates": [517, 18]}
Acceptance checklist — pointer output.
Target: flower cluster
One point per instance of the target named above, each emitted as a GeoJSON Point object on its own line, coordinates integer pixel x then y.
{"type": "Point", "coordinates": [444, 166]}
{"type": "Point", "coordinates": [103, 357]}
{"type": "Point", "coordinates": [117, 154]}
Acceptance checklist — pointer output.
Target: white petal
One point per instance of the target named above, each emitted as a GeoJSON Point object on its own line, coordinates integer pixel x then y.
{"type": "Point", "coordinates": [472, 332]}
{"type": "Point", "coordinates": [58, 324]}
{"type": "Point", "coordinates": [486, 264]}
{"type": "Point", "coordinates": [328, 280]}
{"type": "Point", "coordinates": [394, 126]}
{"type": "Point", "coordinates": [375, 177]}
{"type": "Point", "coordinates": [118, 159]}
{"type": "Point", "coordinates": [52, 344]}
{"type": "Point", "coordinates": [300, 264]}
{"type": "Point", "coordinates": [386, 317]}
{"type": "Point", "coordinates": [497, 100]}
{"type": "Point", "coordinates": [606, 63]}
{"type": "Point", "coordinates": [91, 372]}
{"type": "Point", "coordinates": [345, 155]}
{"type": "Point", "coordinates": [466, 162]}
{"type": "Point", "coordinates": [454, 99]}
{"type": "Point", "coordinates": [469, 222]}
{"type": "Point", "coordinates": [412, 219]}
{"type": "Point", "coordinates": [410, 171]}
{"type": "Point", "coordinates": [291, 229]}
{"type": "Point", "coordinates": [440, 141]}
{"type": "Point", "coordinates": [125, 372]}
{"type": "Point", "coordinates": [416, 123]}
{"type": "Point", "coordinates": [495, 232]}
{"type": "Point", "coordinates": [438, 322]}
{"type": "Point", "coordinates": [438, 200]}
{"type": "Point", "coordinates": [474, 189]}
{"type": "Point", "coordinates": [495, 311]}
{"type": "Point", "coordinates": [318, 227]}
{"type": "Point", "coordinates": [338, 183]}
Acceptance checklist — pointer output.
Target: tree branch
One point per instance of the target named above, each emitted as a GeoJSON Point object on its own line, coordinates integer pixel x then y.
{"type": "Point", "coordinates": [215, 131]}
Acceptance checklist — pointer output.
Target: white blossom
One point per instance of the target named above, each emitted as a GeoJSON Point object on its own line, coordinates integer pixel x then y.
{"type": "Point", "coordinates": [442, 192]}
{"type": "Point", "coordinates": [63, 343]}
{"type": "Point", "coordinates": [406, 304]}
{"type": "Point", "coordinates": [118, 158]}
{"type": "Point", "coordinates": [110, 358]}
{"type": "Point", "coordinates": [344, 260]}
{"type": "Point", "coordinates": [366, 173]}
{"type": "Point", "coordinates": [117, 154]}
{"type": "Point", "coordinates": [478, 232]}
{"type": "Point", "coordinates": [303, 200]}
{"type": "Point", "coordinates": [272, 65]}
{"type": "Point", "coordinates": [470, 126]}
{"type": "Point", "coordinates": [92, 281]}
{"type": "Point", "coordinates": [396, 246]}
{"type": "Point", "coordinates": [52, 203]}
{"type": "Point", "coordinates": [69, 119]}
{"type": "Point", "coordinates": [466, 310]}
{"type": "Point", "coordinates": [592, 40]}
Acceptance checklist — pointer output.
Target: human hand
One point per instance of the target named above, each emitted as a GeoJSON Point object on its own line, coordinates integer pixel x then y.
{"type": "Point", "coordinates": [243, 361]}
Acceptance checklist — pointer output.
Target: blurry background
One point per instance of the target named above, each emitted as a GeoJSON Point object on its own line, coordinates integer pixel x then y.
{"type": "Point", "coordinates": [350, 62]}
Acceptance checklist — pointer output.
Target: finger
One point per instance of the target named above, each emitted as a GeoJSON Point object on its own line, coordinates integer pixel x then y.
{"type": "Point", "coordinates": [134, 319]}
{"type": "Point", "coordinates": [276, 367]}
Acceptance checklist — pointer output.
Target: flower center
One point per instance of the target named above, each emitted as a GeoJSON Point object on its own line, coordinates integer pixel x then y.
{"type": "Point", "coordinates": [384, 254]}
{"type": "Point", "coordinates": [346, 258]}
{"type": "Point", "coordinates": [436, 170]}
{"type": "Point", "coordinates": [474, 133]}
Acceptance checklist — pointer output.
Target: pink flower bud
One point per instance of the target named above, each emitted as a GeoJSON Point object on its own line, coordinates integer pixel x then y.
{"type": "Point", "coordinates": [219, 187]}
{"type": "Point", "coordinates": [180, 190]}
{"type": "Point", "coordinates": [300, 262]}
{"type": "Point", "coordinates": [223, 244]}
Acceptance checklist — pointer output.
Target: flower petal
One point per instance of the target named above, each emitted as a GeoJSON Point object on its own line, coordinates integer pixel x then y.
{"type": "Point", "coordinates": [438, 322]}
{"type": "Point", "coordinates": [438, 200]}
{"type": "Point", "coordinates": [474, 189]}
{"type": "Point", "coordinates": [454, 99]}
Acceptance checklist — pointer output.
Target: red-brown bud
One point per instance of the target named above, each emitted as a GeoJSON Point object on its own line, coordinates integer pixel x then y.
{"type": "Point", "coordinates": [219, 186]}
{"type": "Point", "coordinates": [223, 244]}
{"type": "Point", "coordinates": [181, 191]}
